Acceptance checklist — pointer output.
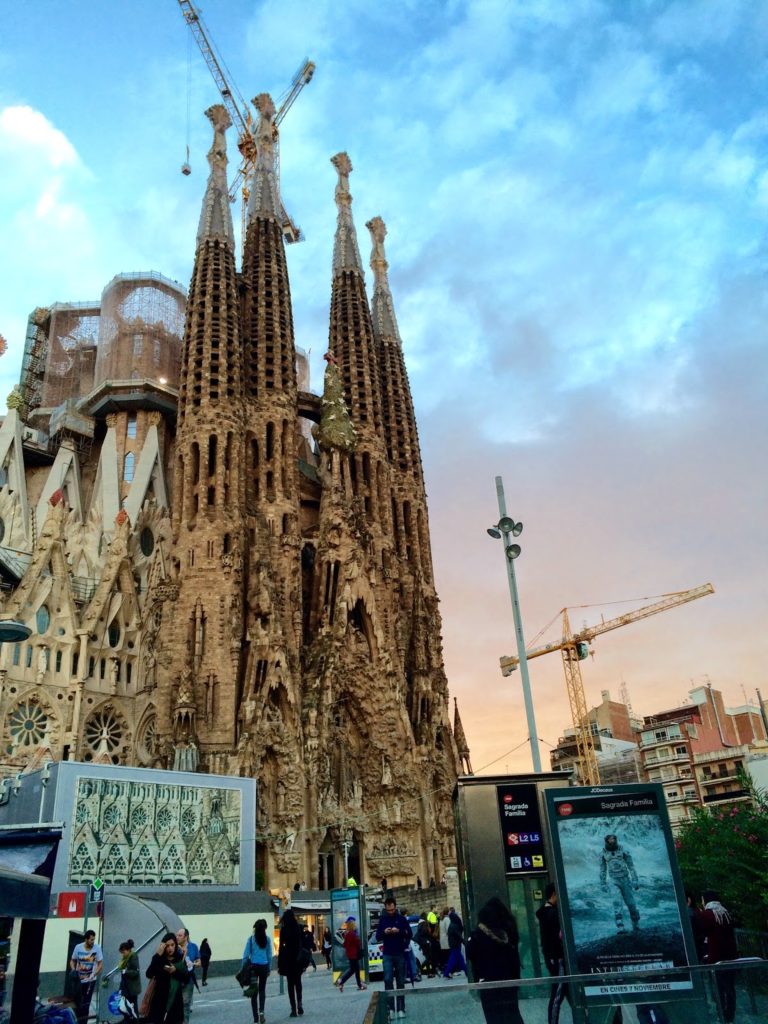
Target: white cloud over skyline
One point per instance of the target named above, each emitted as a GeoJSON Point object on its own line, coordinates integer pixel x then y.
{"type": "Point", "coordinates": [577, 200]}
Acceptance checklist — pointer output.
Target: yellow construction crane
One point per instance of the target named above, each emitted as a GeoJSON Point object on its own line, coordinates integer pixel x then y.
{"type": "Point", "coordinates": [244, 122]}
{"type": "Point", "coordinates": [574, 648]}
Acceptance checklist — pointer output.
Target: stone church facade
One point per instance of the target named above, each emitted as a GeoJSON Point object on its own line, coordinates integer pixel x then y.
{"type": "Point", "coordinates": [223, 571]}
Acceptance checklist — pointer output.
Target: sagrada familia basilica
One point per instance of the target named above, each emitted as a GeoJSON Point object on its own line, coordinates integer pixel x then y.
{"type": "Point", "coordinates": [224, 572]}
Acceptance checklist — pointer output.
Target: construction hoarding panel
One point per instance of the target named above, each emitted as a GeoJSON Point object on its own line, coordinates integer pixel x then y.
{"type": "Point", "coordinates": [622, 904]}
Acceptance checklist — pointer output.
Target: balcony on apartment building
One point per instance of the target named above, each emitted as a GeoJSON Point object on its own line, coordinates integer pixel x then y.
{"type": "Point", "coordinates": [663, 734]}
{"type": "Point", "coordinates": [667, 757]}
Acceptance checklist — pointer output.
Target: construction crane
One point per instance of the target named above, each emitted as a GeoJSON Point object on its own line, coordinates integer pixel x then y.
{"type": "Point", "coordinates": [574, 648]}
{"type": "Point", "coordinates": [244, 122]}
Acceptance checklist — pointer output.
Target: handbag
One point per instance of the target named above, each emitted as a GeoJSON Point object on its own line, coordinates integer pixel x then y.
{"type": "Point", "coordinates": [304, 959]}
{"type": "Point", "coordinates": [243, 976]}
{"type": "Point", "coordinates": [146, 1001]}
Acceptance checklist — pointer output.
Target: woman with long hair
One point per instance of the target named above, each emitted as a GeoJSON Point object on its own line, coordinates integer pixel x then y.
{"type": "Point", "coordinates": [493, 953]}
{"type": "Point", "coordinates": [257, 956]}
{"type": "Point", "coordinates": [130, 977]}
{"type": "Point", "coordinates": [289, 959]}
{"type": "Point", "coordinates": [168, 969]}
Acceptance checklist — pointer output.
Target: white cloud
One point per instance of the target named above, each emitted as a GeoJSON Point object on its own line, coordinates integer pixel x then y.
{"type": "Point", "coordinates": [24, 130]}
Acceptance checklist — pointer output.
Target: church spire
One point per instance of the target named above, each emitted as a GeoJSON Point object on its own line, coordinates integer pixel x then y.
{"type": "Point", "coordinates": [264, 199]}
{"type": "Point", "coordinates": [461, 740]}
{"type": "Point", "coordinates": [382, 307]}
{"type": "Point", "coordinates": [215, 216]}
{"type": "Point", "coordinates": [351, 330]}
{"type": "Point", "coordinates": [210, 365]}
{"type": "Point", "coordinates": [346, 255]}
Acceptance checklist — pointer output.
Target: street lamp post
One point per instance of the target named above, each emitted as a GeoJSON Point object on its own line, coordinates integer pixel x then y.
{"type": "Point", "coordinates": [508, 528]}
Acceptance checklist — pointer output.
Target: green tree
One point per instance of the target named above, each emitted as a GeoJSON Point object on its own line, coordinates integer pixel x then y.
{"type": "Point", "coordinates": [725, 848]}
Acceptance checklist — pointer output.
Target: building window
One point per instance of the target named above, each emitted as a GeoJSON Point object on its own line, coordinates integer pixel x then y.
{"type": "Point", "coordinates": [29, 656]}
{"type": "Point", "coordinates": [16, 654]}
{"type": "Point", "coordinates": [137, 346]}
{"type": "Point", "coordinates": [113, 634]}
{"type": "Point", "coordinates": [131, 428]}
{"type": "Point", "coordinates": [128, 467]}
{"type": "Point", "coordinates": [58, 661]}
{"type": "Point", "coordinates": [681, 750]}
{"type": "Point", "coordinates": [42, 619]}
{"type": "Point", "coordinates": [147, 541]}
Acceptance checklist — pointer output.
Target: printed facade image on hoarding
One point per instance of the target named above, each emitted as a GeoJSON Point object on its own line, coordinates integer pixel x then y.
{"type": "Point", "coordinates": [154, 833]}
{"type": "Point", "coordinates": [620, 905]}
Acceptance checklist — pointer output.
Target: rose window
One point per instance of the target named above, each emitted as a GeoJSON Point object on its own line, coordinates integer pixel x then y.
{"type": "Point", "coordinates": [112, 815]}
{"type": "Point", "coordinates": [139, 818]}
{"type": "Point", "coordinates": [28, 725]}
{"type": "Point", "coordinates": [104, 730]}
{"type": "Point", "coordinates": [164, 820]}
{"type": "Point", "coordinates": [188, 821]}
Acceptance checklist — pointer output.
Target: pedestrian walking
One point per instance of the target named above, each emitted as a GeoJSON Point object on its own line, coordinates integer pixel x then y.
{"type": "Point", "coordinates": [308, 942]}
{"type": "Point", "coordinates": [289, 960]}
{"type": "Point", "coordinates": [493, 953]}
{"type": "Point", "coordinates": [445, 946]}
{"type": "Point", "coordinates": [257, 961]}
{"type": "Point", "coordinates": [167, 972]}
{"type": "Point", "coordinates": [130, 978]}
{"type": "Point", "coordinates": [719, 946]}
{"type": "Point", "coordinates": [394, 933]}
{"type": "Point", "coordinates": [88, 961]}
{"type": "Point", "coordinates": [455, 963]}
{"type": "Point", "coordinates": [327, 947]}
{"type": "Point", "coordinates": [552, 950]}
{"type": "Point", "coordinates": [353, 948]}
{"type": "Point", "coordinates": [191, 953]}
{"type": "Point", "coordinates": [205, 960]}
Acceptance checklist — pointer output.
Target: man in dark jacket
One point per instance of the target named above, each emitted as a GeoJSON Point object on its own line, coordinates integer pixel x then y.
{"type": "Point", "coordinates": [719, 945]}
{"type": "Point", "coordinates": [552, 950]}
{"type": "Point", "coordinates": [394, 933]}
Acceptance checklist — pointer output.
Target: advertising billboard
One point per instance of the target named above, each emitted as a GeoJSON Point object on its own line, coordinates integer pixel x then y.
{"type": "Point", "coordinates": [521, 833]}
{"type": "Point", "coordinates": [622, 903]}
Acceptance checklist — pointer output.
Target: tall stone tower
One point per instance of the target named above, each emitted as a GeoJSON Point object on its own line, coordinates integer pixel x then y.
{"type": "Point", "coordinates": [250, 590]}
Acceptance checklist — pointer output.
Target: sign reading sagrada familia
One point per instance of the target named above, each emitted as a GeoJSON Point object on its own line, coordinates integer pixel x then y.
{"type": "Point", "coordinates": [223, 571]}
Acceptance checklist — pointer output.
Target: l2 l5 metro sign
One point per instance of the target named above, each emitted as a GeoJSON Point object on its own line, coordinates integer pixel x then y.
{"type": "Point", "coordinates": [521, 829]}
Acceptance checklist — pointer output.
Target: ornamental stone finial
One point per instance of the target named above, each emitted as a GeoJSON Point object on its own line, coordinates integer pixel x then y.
{"type": "Point", "coordinates": [382, 306]}
{"type": "Point", "coordinates": [264, 187]}
{"type": "Point", "coordinates": [346, 255]}
{"type": "Point", "coordinates": [215, 216]}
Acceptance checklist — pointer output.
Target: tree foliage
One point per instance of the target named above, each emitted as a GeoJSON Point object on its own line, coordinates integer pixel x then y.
{"type": "Point", "coordinates": [725, 848]}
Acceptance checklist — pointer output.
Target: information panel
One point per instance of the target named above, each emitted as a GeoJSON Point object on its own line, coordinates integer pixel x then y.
{"type": "Point", "coordinates": [521, 829]}
{"type": "Point", "coordinates": [621, 900]}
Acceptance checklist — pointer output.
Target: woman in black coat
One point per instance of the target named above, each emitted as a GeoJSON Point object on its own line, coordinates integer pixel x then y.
{"type": "Point", "coordinates": [493, 953]}
{"type": "Point", "coordinates": [169, 970]}
{"type": "Point", "coordinates": [288, 959]}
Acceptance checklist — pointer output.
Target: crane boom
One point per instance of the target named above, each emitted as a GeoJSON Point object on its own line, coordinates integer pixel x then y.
{"type": "Point", "coordinates": [588, 633]}
{"type": "Point", "coordinates": [198, 29]}
{"type": "Point", "coordinates": [241, 117]}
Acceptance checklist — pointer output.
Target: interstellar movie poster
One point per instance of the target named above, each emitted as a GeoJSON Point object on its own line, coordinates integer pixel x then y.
{"type": "Point", "coordinates": [619, 903]}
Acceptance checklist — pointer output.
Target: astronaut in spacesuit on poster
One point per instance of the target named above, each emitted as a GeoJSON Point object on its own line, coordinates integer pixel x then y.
{"type": "Point", "coordinates": [617, 873]}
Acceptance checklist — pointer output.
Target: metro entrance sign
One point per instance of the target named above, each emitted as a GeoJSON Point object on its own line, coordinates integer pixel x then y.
{"type": "Point", "coordinates": [96, 891]}
{"type": "Point", "coordinates": [70, 904]}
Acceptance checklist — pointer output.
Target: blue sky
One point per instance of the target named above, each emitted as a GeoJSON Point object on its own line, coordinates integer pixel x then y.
{"type": "Point", "coordinates": [576, 196]}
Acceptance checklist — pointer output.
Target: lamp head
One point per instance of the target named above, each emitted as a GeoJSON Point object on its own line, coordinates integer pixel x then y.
{"type": "Point", "coordinates": [493, 532]}
{"type": "Point", "coordinates": [517, 529]}
{"type": "Point", "coordinates": [513, 551]}
{"type": "Point", "coordinates": [506, 525]}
